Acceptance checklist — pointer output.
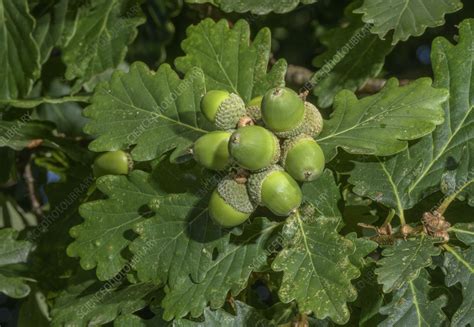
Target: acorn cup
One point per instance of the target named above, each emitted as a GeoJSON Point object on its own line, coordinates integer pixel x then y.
{"type": "Point", "coordinates": [282, 110]}
{"type": "Point", "coordinates": [276, 190]}
{"type": "Point", "coordinates": [230, 204]}
{"type": "Point", "coordinates": [302, 158]}
{"type": "Point", "coordinates": [112, 163]}
{"type": "Point", "coordinates": [211, 150]}
{"type": "Point", "coordinates": [311, 125]}
{"type": "Point", "coordinates": [254, 109]}
{"type": "Point", "coordinates": [254, 147]}
{"type": "Point", "coordinates": [222, 108]}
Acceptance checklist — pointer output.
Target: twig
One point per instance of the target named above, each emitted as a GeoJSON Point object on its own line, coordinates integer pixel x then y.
{"type": "Point", "coordinates": [374, 85]}
{"type": "Point", "coordinates": [30, 182]}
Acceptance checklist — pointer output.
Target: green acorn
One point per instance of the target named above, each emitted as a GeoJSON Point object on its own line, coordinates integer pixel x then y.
{"type": "Point", "coordinates": [222, 108]}
{"type": "Point", "coordinates": [302, 158]}
{"type": "Point", "coordinates": [211, 150]}
{"type": "Point", "coordinates": [254, 147]}
{"type": "Point", "coordinates": [276, 190]}
{"type": "Point", "coordinates": [254, 109]}
{"type": "Point", "coordinates": [112, 163]}
{"type": "Point", "coordinates": [311, 125]}
{"type": "Point", "coordinates": [230, 204]}
{"type": "Point", "coordinates": [282, 109]}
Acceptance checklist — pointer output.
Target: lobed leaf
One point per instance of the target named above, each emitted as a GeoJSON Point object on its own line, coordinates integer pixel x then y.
{"type": "Point", "coordinates": [446, 155]}
{"type": "Point", "coordinates": [405, 17]}
{"type": "Point", "coordinates": [229, 60]}
{"type": "Point", "coordinates": [382, 124]}
{"type": "Point", "coordinates": [156, 111]}
{"type": "Point", "coordinates": [402, 262]}
{"type": "Point", "coordinates": [258, 7]}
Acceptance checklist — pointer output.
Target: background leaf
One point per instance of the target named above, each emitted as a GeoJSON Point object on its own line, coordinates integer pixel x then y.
{"type": "Point", "coordinates": [259, 7]}
{"type": "Point", "coordinates": [405, 17]}
{"type": "Point", "coordinates": [19, 53]}
{"type": "Point", "coordinates": [13, 253]}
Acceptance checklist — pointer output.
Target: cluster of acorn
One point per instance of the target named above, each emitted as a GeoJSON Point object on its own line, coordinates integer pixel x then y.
{"type": "Point", "coordinates": [268, 146]}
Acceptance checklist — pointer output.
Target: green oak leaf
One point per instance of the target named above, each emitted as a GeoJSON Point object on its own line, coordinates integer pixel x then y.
{"type": "Point", "coordinates": [322, 196]}
{"type": "Point", "coordinates": [19, 53]}
{"type": "Point", "coordinates": [258, 7]}
{"type": "Point", "coordinates": [245, 315]}
{"type": "Point", "coordinates": [363, 248]}
{"type": "Point", "coordinates": [13, 215]}
{"type": "Point", "coordinates": [88, 303]}
{"type": "Point", "coordinates": [459, 265]}
{"type": "Point", "coordinates": [227, 270]}
{"type": "Point", "coordinates": [18, 134]}
{"type": "Point", "coordinates": [181, 237]}
{"type": "Point", "coordinates": [383, 123]}
{"type": "Point", "coordinates": [353, 55]}
{"type": "Point", "coordinates": [229, 60]}
{"type": "Point", "coordinates": [411, 305]}
{"type": "Point", "coordinates": [156, 111]}
{"type": "Point", "coordinates": [105, 233]}
{"type": "Point", "coordinates": [402, 262]}
{"type": "Point", "coordinates": [99, 38]}
{"type": "Point", "coordinates": [317, 271]}
{"type": "Point", "coordinates": [464, 232]}
{"type": "Point", "coordinates": [406, 17]}
{"type": "Point", "coordinates": [13, 254]}
{"type": "Point", "coordinates": [131, 320]}
{"type": "Point", "coordinates": [50, 27]}
{"type": "Point", "coordinates": [405, 179]}
{"type": "Point", "coordinates": [34, 308]}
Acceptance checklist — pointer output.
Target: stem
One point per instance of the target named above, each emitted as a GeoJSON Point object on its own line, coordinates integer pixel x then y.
{"type": "Point", "coordinates": [450, 198]}
{"type": "Point", "coordinates": [32, 103]}
{"type": "Point", "coordinates": [390, 216]}
{"type": "Point", "coordinates": [30, 183]}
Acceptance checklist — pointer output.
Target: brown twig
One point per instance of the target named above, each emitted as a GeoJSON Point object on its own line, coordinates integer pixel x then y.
{"type": "Point", "coordinates": [374, 85]}
{"type": "Point", "coordinates": [30, 183]}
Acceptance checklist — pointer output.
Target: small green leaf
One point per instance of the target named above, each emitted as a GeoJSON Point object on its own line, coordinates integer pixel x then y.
{"type": "Point", "coordinates": [100, 240]}
{"type": "Point", "coordinates": [412, 306]}
{"type": "Point", "coordinates": [229, 60]}
{"type": "Point", "coordinates": [382, 124]}
{"type": "Point", "coordinates": [19, 53]}
{"type": "Point", "coordinates": [157, 111]}
{"type": "Point", "coordinates": [258, 7]}
{"type": "Point", "coordinates": [19, 133]}
{"type": "Point", "coordinates": [317, 271]}
{"type": "Point", "coordinates": [244, 316]}
{"type": "Point", "coordinates": [406, 17]}
{"type": "Point", "coordinates": [13, 254]}
{"type": "Point", "coordinates": [353, 55]}
{"type": "Point", "coordinates": [403, 261]}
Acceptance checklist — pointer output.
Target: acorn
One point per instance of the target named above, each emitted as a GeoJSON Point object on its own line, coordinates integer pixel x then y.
{"type": "Point", "coordinates": [311, 125]}
{"type": "Point", "coordinates": [211, 150]}
{"type": "Point", "coordinates": [302, 158]}
{"type": "Point", "coordinates": [230, 204]}
{"type": "Point", "coordinates": [222, 108]}
{"type": "Point", "coordinates": [254, 109]}
{"type": "Point", "coordinates": [276, 190]}
{"type": "Point", "coordinates": [254, 147]}
{"type": "Point", "coordinates": [112, 163]}
{"type": "Point", "coordinates": [282, 109]}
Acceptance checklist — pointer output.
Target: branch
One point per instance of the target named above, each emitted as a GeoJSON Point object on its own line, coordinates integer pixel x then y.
{"type": "Point", "coordinates": [30, 183]}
